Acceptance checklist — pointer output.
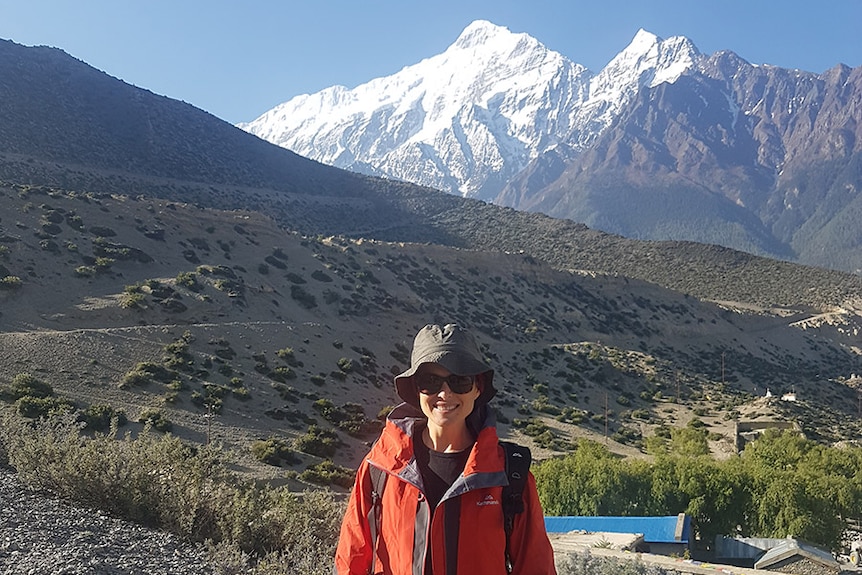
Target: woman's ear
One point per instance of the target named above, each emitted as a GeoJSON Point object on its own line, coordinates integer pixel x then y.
{"type": "Point", "coordinates": [480, 382]}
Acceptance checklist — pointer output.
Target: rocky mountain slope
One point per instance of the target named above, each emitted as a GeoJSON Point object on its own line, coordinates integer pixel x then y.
{"type": "Point", "coordinates": [663, 143]}
{"type": "Point", "coordinates": [237, 331]}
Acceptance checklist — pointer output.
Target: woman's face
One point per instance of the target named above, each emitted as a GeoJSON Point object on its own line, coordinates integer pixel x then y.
{"type": "Point", "coordinates": [446, 408]}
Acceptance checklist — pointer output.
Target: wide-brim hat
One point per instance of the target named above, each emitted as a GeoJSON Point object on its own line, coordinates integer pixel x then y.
{"type": "Point", "coordinates": [454, 348]}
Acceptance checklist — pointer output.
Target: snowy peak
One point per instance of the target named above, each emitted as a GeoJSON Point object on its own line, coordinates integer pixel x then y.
{"type": "Point", "coordinates": [467, 120]}
{"type": "Point", "coordinates": [487, 40]}
{"type": "Point", "coordinates": [647, 61]}
{"type": "Point", "coordinates": [481, 33]}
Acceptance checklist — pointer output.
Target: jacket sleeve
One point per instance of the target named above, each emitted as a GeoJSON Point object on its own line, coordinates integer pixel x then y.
{"type": "Point", "coordinates": [353, 553]}
{"type": "Point", "coordinates": [531, 549]}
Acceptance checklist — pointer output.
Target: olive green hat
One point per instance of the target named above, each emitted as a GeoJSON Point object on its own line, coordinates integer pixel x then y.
{"type": "Point", "coordinates": [454, 348]}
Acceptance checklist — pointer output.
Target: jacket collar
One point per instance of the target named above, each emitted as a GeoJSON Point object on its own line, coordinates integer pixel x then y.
{"type": "Point", "coordinates": [394, 450]}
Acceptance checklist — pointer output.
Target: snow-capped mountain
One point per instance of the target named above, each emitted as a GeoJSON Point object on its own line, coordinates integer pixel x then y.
{"type": "Point", "coordinates": [662, 143]}
{"type": "Point", "coordinates": [469, 119]}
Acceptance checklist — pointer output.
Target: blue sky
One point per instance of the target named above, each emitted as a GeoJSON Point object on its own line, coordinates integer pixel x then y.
{"type": "Point", "coordinates": [237, 59]}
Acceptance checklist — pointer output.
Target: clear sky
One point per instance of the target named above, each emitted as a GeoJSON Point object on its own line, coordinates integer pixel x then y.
{"type": "Point", "coordinates": [238, 58]}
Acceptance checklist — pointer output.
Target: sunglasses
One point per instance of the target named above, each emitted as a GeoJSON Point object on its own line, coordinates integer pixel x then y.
{"type": "Point", "coordinates": [431, 384]}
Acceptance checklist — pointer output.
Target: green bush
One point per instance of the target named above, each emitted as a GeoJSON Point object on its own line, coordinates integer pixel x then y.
{"type": "Point", "coordinates": [328, 473]}
{"type": "Point", "coordinates": [274, 451]}
{"type": "Point", "coordinates": [37, 407]}
{"type": "Point", "coordinates": [146, 372]}
{"type": "Point", "coordinates": [155, 419]}
{"type": "Point", "coordinates": [282, 374]}
{"type": "Point", "coordinates": [349, 417]}
{"type": "Point", "coordinates": [288, 356]}
{"type": "Point", "coordinates": [10, 282]}
{"type": "Point", "coordinates": [160, 482]}
{"type": "Point", "coordinates": [24, 384]}
{"type": "Point", "coordinates": [317, 379]}
{"type": "Point", "coordinates": [319, 442]}
{"type": "Point", "coordinates": [304, 298]}
{"type": "Point", "coordinates": [98, 417]}
{"type": "Point", "coordinates": [188, 280]}
{"type": "Point", "coordinates": [135, 300]}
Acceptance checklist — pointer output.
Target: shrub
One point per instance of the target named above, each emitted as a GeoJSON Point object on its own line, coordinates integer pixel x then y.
{"type": "Point", "coordinates": [23, 385]}
{"type": "Point", "coordinates": [161, 482]}
{"type": "Point", "coordinates": [349, 417]}
{"type": "Point", "coordinates": [102, 232]}
{"type": "Point", "coordinates": [275, 262]}
{"type": "Point", "coordinates": [274, 451]}
{"type": "Point", "coordinates": [317, 380]}
{"type": "Point", "coordinates": [98, 417]}
{"type": "Point", "coordinates": [282, 373]}
{"type": "Point", "coordinates": [103, 263]}
{"type": "Point", "coordinates": [384, 412]}
{"type": "Point", "coordinates": [319, 442]}
{"type": "Point", "coordinates": [10, 282]}
{"type": "Point", "coordinates": [147, 371]}
{"type": "Point", "coordinates": [326, 473]}
{"type": "Point", "coordinates": [188, 280]}
{"type": "Point", "coordinates": [304, 298]}
{"type": "Point", "coordinates": [37, 407]}
{"type": "Point", "coordinates": [135, 300]}
{"type": "Point", "coordinates": [288, 356]}
{"type": "Point", "coordinates": [155, 419]}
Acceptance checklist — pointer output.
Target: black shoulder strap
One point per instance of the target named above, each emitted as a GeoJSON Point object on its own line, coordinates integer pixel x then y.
{"type": "Point", "coordinates": [518, 459]}
{"type": "Point", "coordinates": [378, 482]}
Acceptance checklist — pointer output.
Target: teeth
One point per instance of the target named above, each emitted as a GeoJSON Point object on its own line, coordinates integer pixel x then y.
{"type": "Point", "coordinates": [445, 407]}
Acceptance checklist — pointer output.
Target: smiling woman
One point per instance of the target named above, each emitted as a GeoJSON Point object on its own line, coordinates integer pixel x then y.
{"type": "Point", "coordinates": [440, 448]}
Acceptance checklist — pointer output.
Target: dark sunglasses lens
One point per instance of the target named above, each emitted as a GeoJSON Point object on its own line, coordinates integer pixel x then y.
{"type": "Point", "coordinates": [460, 383]}
{"type": "Point", "coordinates": [430, 384]}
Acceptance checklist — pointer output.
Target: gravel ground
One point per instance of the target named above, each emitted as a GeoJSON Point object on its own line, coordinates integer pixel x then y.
{"type": "Point", "coordinates": [44, 536]}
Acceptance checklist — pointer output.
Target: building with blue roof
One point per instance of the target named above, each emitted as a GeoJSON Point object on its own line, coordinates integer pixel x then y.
{"type": "Point", "coordinates": [667, 535]}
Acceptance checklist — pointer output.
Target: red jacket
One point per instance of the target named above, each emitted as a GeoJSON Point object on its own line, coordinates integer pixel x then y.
{"type": "Point", "coordinates": [466, 536]}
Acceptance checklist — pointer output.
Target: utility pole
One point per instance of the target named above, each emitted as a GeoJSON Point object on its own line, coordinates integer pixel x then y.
{"type": "Point", "coordinates": [722, 368]}
{"type": "Point", "coordinates": [209, 417]}
{"type": "Point", "coordinates": [606, 418]}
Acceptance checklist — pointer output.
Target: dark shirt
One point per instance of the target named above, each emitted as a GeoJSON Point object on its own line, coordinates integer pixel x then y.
{"type": "Point", "coordinates": [439, 471]}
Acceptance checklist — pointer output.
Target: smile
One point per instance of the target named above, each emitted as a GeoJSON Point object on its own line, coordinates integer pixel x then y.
{"type": "Point", "coordinates": [445, 407]}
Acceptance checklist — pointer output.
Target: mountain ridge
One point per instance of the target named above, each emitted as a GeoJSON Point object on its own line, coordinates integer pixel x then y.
{"type": "Point", "coordinates": [748, 149]}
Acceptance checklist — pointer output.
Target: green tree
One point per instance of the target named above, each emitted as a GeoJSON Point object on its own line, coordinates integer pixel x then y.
{"type": "Point", "coordinates": [591, 481]}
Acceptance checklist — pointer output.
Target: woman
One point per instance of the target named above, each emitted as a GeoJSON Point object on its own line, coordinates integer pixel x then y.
{"type": "Point", "coordinates": [443, 471]}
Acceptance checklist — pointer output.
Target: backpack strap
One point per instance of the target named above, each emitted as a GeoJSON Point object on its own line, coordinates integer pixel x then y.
{"type": "Point", "coordinates": [378, 482]}
{"type": "Point", "coordinates": [518, 459]}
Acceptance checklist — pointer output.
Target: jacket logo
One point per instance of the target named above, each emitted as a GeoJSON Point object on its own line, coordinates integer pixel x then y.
{"type": "Point", "coordinates": [489, 500]}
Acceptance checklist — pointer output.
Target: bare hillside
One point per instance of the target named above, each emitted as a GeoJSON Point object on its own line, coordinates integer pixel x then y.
{"type": "Point", "coordinates": [236, 330]}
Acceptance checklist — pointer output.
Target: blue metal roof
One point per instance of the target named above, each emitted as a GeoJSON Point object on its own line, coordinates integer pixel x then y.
{"type": "Point", "coordinates": [654, 529]}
